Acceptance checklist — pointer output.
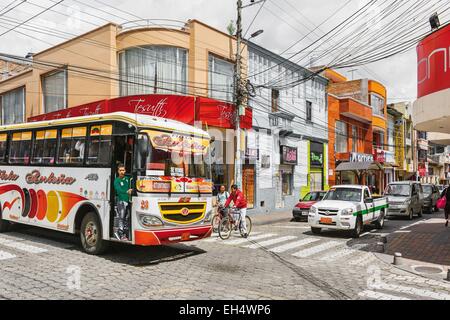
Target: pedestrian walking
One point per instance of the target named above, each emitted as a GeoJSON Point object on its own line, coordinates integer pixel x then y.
{"type": "Point", "coordinates": [123, 192]}
{"type": "Point", "coordinates": [446, 194]}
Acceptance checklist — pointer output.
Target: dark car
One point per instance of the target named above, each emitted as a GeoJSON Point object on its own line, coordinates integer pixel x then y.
{"type": "Point", "coordinates": [431, 195]}
{"type": "Point", "coordinates": [301, 210]}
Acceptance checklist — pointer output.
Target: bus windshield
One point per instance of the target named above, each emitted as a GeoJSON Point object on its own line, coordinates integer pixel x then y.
{"type": "Point", "coordinates": [172, 162]}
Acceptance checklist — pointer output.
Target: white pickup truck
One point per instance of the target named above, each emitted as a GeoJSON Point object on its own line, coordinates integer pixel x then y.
{"type": "Point", "coordinates": [347, 207]}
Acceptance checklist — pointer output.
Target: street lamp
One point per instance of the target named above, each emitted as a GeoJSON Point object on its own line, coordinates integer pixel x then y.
{"type": "Point", "coordinates": [257, 33]}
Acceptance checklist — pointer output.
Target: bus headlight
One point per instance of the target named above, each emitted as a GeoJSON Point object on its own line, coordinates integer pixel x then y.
{"type": "Point", "coordinates": [150, 221]}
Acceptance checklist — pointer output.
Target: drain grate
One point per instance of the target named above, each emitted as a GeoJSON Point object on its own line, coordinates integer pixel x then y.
{"type": "Point", "coordinates": [428, 270]}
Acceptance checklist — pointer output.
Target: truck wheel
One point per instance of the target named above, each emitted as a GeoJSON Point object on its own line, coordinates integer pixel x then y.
{"type": "Point", "coordinates": [411, 214]}
{"type": "Point", "coordinates": [316, 230]}
{"type": "Point", "coordinates": [358, 228]}
{"type": "Point", "coordinates": [91, 235]}
{"type": "Point", "coordinates": [379, 224]}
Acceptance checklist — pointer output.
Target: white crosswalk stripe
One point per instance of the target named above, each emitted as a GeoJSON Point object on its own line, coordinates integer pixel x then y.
{"type": "Point", "coordinates": [270, 242]}
{"type": "Point", "coordinates": [364, 260]}
{"type": "Point", "coordinates": [411, 290]}
{"type": "Point", "coordinates": [293, 245]}
{"type": "Point", "coordinates": [21, 246]}
{"type": "Point", "coordinates": [216, 237]}
{"type": "Point", "coordinates": [251, 238]}
{"type": "Point", "coordinates": [379, 296]}
{"type": "Point", "coordinates": [342, 253]}
{"type": "Point", "coordinates": [316, 249]}
{"type": "Point", "coordinates": [6, 255]}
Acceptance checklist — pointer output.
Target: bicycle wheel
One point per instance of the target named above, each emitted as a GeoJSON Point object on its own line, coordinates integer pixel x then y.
{"type": "Point", "coordinates": [248, 225]}
{"type": "Point", "coordinates": [215, 223]}
{"type": "Point", "coordinates": [225, 228]}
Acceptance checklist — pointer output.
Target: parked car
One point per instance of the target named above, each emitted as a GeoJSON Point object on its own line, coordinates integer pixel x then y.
{"type": "Point", "coordinates": [301, 210]}
{"type": "Point", "coordinates": [431, 195]}
{"type": "Point", "coordinates": [405, 199]}
{"type": "Point", "coordinates": [347, 207]}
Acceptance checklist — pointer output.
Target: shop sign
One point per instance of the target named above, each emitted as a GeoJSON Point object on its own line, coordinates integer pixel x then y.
{"type": "Point", "coordinates": [361, 157]}
{"type": "Point", "coordinates": [289, 155]}
{"type": "Point", "coordinates": [389, 157]}
{"type": "Point", "coordinates": [316, 154]}
{"type": "Point", "coordinates": [380, 155]}
{"type": "Point", "coordinates": [252, 154]}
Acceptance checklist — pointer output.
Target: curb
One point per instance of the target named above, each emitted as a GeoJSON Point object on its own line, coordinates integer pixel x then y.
{"type": "Point", "coordinates": [407, 268]}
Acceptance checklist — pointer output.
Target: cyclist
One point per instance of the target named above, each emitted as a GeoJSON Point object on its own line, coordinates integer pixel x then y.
{"type": "Point", "coordinates": [240, 203]}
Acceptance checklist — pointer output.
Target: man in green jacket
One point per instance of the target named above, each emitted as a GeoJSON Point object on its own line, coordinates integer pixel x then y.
{"type": "Point", "coordinates": [123, 192]}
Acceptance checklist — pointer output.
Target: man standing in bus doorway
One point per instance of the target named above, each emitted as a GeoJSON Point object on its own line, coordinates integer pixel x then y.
{"type": "Point", "coordinates": [123, 192]}
{"type": "Point", "coordinates": [238, 198]}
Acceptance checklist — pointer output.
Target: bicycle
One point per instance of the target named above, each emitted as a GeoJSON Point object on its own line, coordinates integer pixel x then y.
{"type": "Point", "coordinates": [215, 222]}
{"type": "Point", "coordinates": [229, 223]}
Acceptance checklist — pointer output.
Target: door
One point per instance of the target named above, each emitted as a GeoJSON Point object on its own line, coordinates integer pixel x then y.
{"type": "Point", "coordinates": [368, 201]}
{"type": "Point", "coordinates": [415, 199]}
{"type": "Point", "coordinates": [248, 185]}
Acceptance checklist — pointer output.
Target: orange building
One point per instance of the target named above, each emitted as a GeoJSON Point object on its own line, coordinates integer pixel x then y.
{"type": "Point", "coordinates": [357, 121]}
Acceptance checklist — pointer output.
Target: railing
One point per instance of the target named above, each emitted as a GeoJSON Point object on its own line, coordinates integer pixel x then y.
{"type": "Point", "coordinates": [154, 23]}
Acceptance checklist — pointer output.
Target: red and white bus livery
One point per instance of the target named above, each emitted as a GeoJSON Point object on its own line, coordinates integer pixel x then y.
{"type": "Point", "coordinates": [59, 174]}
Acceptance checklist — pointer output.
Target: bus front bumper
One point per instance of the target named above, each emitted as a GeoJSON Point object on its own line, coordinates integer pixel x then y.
{"type": "Point", "coordinates": [161, 237]}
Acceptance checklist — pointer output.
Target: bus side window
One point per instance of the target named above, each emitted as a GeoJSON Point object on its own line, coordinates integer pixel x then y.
{"type": "Point", "coordinates": [19, 153]}
{"type": "Point", "coordinates": [3, 146]}
{"type": "Point", "coordinates": [72, 146]}
{"type": "Point", "coordinates": [100, 145]}
{"type": "Point", "coordinates": [44, 147]}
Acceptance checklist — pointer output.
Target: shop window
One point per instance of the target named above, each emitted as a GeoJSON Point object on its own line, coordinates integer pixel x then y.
{"type": "Point", "coordinates": [355, 139]}
{"type": "Point", "coordinates": [54, 91]}
{"type": "Point", "coordinates": [13, 106]}
{"type": "Point", "coordinates": [221, 79]}
{"type": "Point", "coordinates": [3, 146]}
{"type": "Point", "coordinates": [73, 144]}
{"type": "Point", "coordinates": [44, 148]}
{"type": "Point", "coordinates": [100, 145]}
{"type": "Point", "coordinates": [287, 183]}
{"type": "Point", "coordinates": [19, 152]}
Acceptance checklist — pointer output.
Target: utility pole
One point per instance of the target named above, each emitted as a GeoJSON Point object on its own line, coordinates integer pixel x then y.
{"type": "Point", "coordinates": [238, 97]}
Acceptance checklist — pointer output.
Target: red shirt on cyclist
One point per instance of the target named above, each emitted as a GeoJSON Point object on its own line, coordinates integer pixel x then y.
{"type": "Point", "coordinates": [238, 198]}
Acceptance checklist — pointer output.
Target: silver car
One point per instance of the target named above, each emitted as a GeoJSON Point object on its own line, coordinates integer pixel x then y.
{"type": "Point", "coordinates": [405, 199]}
{"type": "Point", "coordinates": [431, 195]}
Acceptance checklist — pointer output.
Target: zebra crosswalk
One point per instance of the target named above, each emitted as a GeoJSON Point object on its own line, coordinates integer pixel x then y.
{"type": "Point", "coordinates": [8, 244]}
{"type": "Point", "coordinates": [299, 247]}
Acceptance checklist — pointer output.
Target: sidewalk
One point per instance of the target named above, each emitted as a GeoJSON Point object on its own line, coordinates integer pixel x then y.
{"type": "Point", "coordinates": [427, 241]}
{"type": "Point", "coordinates": [269, 218]}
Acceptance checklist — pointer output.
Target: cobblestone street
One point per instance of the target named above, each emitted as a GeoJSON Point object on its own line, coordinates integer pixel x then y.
{"type": "Point", "coordinates": [282, 260]}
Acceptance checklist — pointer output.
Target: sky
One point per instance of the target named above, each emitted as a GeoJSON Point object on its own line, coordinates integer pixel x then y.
{"type": "Point", "coordinates": [283, 21]}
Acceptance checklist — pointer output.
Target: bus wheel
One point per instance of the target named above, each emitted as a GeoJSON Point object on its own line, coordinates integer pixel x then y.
{"type": "Point", "coordinates": [91, 235]}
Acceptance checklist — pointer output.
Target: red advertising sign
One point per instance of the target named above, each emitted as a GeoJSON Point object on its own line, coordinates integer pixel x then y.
{"type": "Point", "coordinates": [89, 109]}
{"type": "Point", "coordinates": [380, 156]}
{"type": "Point", "coordinates": [220, 114]}
{"type": "Point", "coordinates": [185, 109]}
{"type": "Point", "coordinates": [433, 54]}
{"type": "Point", "coordinates": [180, 108]}
{"type": "Point", "coordinates": [422, 170]}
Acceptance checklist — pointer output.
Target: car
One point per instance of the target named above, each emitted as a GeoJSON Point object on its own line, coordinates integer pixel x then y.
{"type": "Point", "coordinates": [301, 209]}
{"type": "Point", "coordinates": [431, 195]}
{"type": "Point", "coordinates": [347, 207]}
{"type": "Point", "coordinates": [405, 199]}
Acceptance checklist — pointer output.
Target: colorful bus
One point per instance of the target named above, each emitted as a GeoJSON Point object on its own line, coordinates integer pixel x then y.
{"type": "Point", "coordinates": [59, 175]}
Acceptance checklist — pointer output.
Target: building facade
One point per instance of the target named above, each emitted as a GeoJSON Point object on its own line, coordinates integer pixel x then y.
{"type": "Point", "coordinates": [184, 71]}
{"type": "Point", "coordinates": [290, 119]}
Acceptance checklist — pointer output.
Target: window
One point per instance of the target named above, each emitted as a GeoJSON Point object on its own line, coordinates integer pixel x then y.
{"type": "Point", "coordinates": [341, 137]}
{"type": "Point", "coordinates": [309, 111]}
{"type": "Point", "coordinates": [3, 146]}
{"type": "Point", "coordinates": [355, 139]}
{"type": "Point", "coordinates": [72, 146]}
{"type": "Point", "coordinates": [287, 183]}
{"type": "Point", "coordinates": [19, 152]}
{"type": "Point", "coordinates": [44, 149]}
{"type": "Point", "coordinates": [377, 103]}
{"type": "Point", "coordinates": [13, 104]}
{"type": "Point", "coordinates": [100, 145]}
{"type": "Point", "coordinates": [153, 69]}
{"type": "Point", "coordinates": [221, 77]}
{"type": "Point", "coordinates": [275, 100]}
{"type": "Point", "coordinates": [54, 91]}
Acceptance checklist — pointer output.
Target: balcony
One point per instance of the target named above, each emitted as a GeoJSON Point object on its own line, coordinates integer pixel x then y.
{"type": "Point", "coordinates": [167, 24]}
{"type": "Point", "coordinates": [422, 144]}
{"type": "Point", "coordinates": [282, 122]}
{"type": "Point", "coordinates": [353, 109]}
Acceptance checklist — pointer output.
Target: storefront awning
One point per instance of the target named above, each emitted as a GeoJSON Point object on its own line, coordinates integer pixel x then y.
{"type": "Point", "coordinates": [359, 166]}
